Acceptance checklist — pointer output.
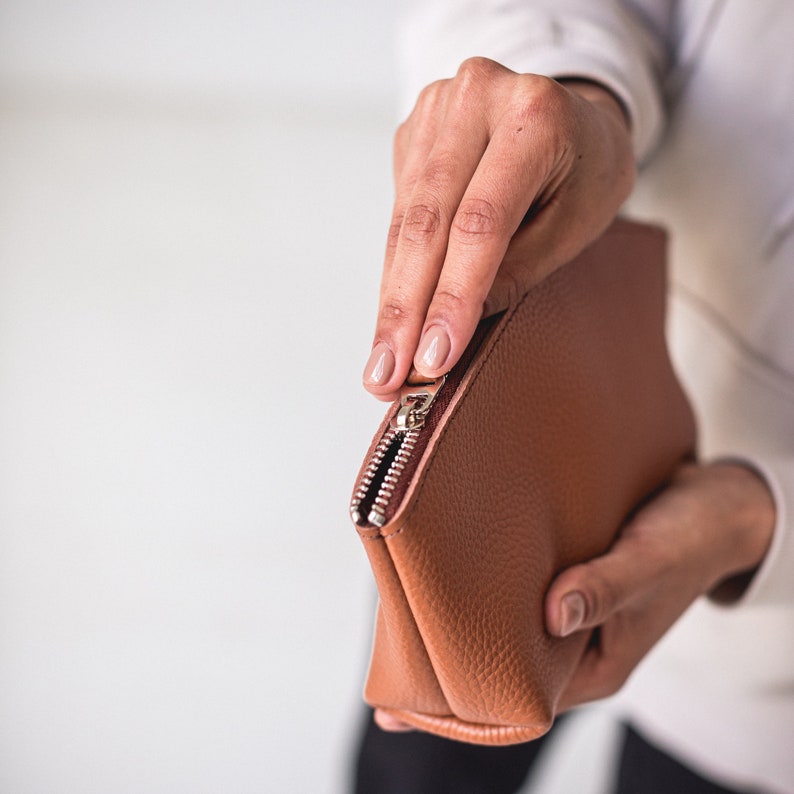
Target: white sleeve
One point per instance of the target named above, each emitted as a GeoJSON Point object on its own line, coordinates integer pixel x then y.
{"type": "Point", "coordinates": [623, 45]}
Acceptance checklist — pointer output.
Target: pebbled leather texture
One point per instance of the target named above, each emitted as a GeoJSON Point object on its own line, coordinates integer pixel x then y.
{"type": "Point", "coordinates": [568, 416]}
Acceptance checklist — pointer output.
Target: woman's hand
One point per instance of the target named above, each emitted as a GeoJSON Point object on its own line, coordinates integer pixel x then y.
{"type": "Point", "coordinates": [706, 533]}
{"type": "Point", "coordinates": [477, 154]}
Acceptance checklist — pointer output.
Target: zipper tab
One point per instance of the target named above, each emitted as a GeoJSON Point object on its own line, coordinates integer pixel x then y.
{"type": "Point", "coordinates": [416, 397]}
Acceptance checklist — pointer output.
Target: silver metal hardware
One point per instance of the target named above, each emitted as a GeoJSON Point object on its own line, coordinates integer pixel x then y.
{"type": "Point", "coordinates": [416, 397]}
{"type": "Point", "coordinates": [384, 471]}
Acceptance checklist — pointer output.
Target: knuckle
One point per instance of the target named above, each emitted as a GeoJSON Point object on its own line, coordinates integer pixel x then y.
{"type": "Point", "coordinates": [438, 174]}
{"type": "Point", "coordinates": [543, 103]}
{"type": "Point", "coordinates": [433, 90]}
{"type": "Point", "coordinates": [600, 597]}
{"type": "Point", "coordinates": [420, 223]}
{"type": "Point", "coordinates": [394, 310]}
{"type": "Point", "coordinates": [477, 219]}
{"type": "Point", "coordinates": [475, 77]}
{"type": "Point", "coordinates": [430, 96]}
{"type": "Point", "coordinates": [448, 302]}
{"type": "Point", "coordinates": [478, 68]}
{"type": "Point", "coordinates": [540, 93]}
{"type": "Point", "coordinates": [393, 235]}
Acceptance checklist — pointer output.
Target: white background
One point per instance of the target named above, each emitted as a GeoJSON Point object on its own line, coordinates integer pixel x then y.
{"type": "Point", "coordinates": [193, 201]}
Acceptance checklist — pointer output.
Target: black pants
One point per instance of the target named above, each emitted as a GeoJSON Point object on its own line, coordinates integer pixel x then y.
{"type": "Point", "coordinates": [417, 763]}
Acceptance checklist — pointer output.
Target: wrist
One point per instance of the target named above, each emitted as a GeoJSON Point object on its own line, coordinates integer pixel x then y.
{"type": "Point", "coordinates": [608, 137]}
{"type": "Point", "coordinates": [753, 517]}
{"type": "Point", "coordinates": [601, 97]}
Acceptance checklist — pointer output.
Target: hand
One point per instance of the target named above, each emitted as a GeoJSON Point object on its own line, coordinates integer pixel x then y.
{"type": "Point", "coordinates": [706, 533]}
{"type": "Point", "coordinates": [477, 153]}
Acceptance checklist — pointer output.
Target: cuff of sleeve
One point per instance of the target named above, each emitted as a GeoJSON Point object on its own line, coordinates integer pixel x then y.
{"type": "Point", "coordinates": [773, 582]}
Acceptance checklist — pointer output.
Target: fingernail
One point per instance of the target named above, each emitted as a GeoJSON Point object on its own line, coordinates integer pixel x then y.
{"type": "Point", "coordinates": [433, 349]}
{"type": "Point", "coordinates": [379, 366]}
{"type": "Point", "coordinates": [572, 609]}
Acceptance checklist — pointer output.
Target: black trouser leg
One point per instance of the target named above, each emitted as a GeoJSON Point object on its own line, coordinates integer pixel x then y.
{"type": "Point", "coordinates": [644, 769]}
{"type": "Point", "coordinates": [419, 763]}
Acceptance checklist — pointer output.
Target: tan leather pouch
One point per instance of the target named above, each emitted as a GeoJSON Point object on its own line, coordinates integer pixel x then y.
{"type": "Point", "coordinates": [563, 415]}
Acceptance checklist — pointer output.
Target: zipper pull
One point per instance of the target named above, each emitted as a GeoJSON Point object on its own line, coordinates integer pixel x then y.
{"type": "Point", "coordinates": [416, 397]}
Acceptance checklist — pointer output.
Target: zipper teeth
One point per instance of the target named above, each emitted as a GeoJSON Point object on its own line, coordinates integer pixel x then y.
{"type": "Point", "coordinates": [385, 470]}
{"type": "Point", "coordinates": [388, 482]}
{"type": "Point", "coordinates": [377, 514]}
{"type": "Point", "coordinates": [369, 475]}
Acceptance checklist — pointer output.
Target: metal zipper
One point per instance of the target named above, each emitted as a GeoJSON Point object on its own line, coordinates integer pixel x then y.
{"type": "Point", "coordinates": [385, 470]}
{"type": "Point", "coordinates": [391, 466]}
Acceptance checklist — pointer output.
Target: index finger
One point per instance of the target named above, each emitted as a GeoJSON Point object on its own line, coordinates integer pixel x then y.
{"type": "Point", "coordinates": [524, 160]}
{"type": "Point", "coordinates": [429, 189]}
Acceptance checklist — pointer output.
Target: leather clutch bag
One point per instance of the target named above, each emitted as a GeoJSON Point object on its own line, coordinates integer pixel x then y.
{"type": "Point", "coordinates": [562, 416]}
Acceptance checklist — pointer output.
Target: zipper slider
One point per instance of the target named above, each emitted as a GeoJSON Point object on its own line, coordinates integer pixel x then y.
{"type": "Point", "coordinates": [385, 473]}
{"type": "Point", "coordinates": [416, 397]}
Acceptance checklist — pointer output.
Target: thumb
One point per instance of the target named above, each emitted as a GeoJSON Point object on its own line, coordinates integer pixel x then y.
{"type": "Point", "coordinates": [587, 595]}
